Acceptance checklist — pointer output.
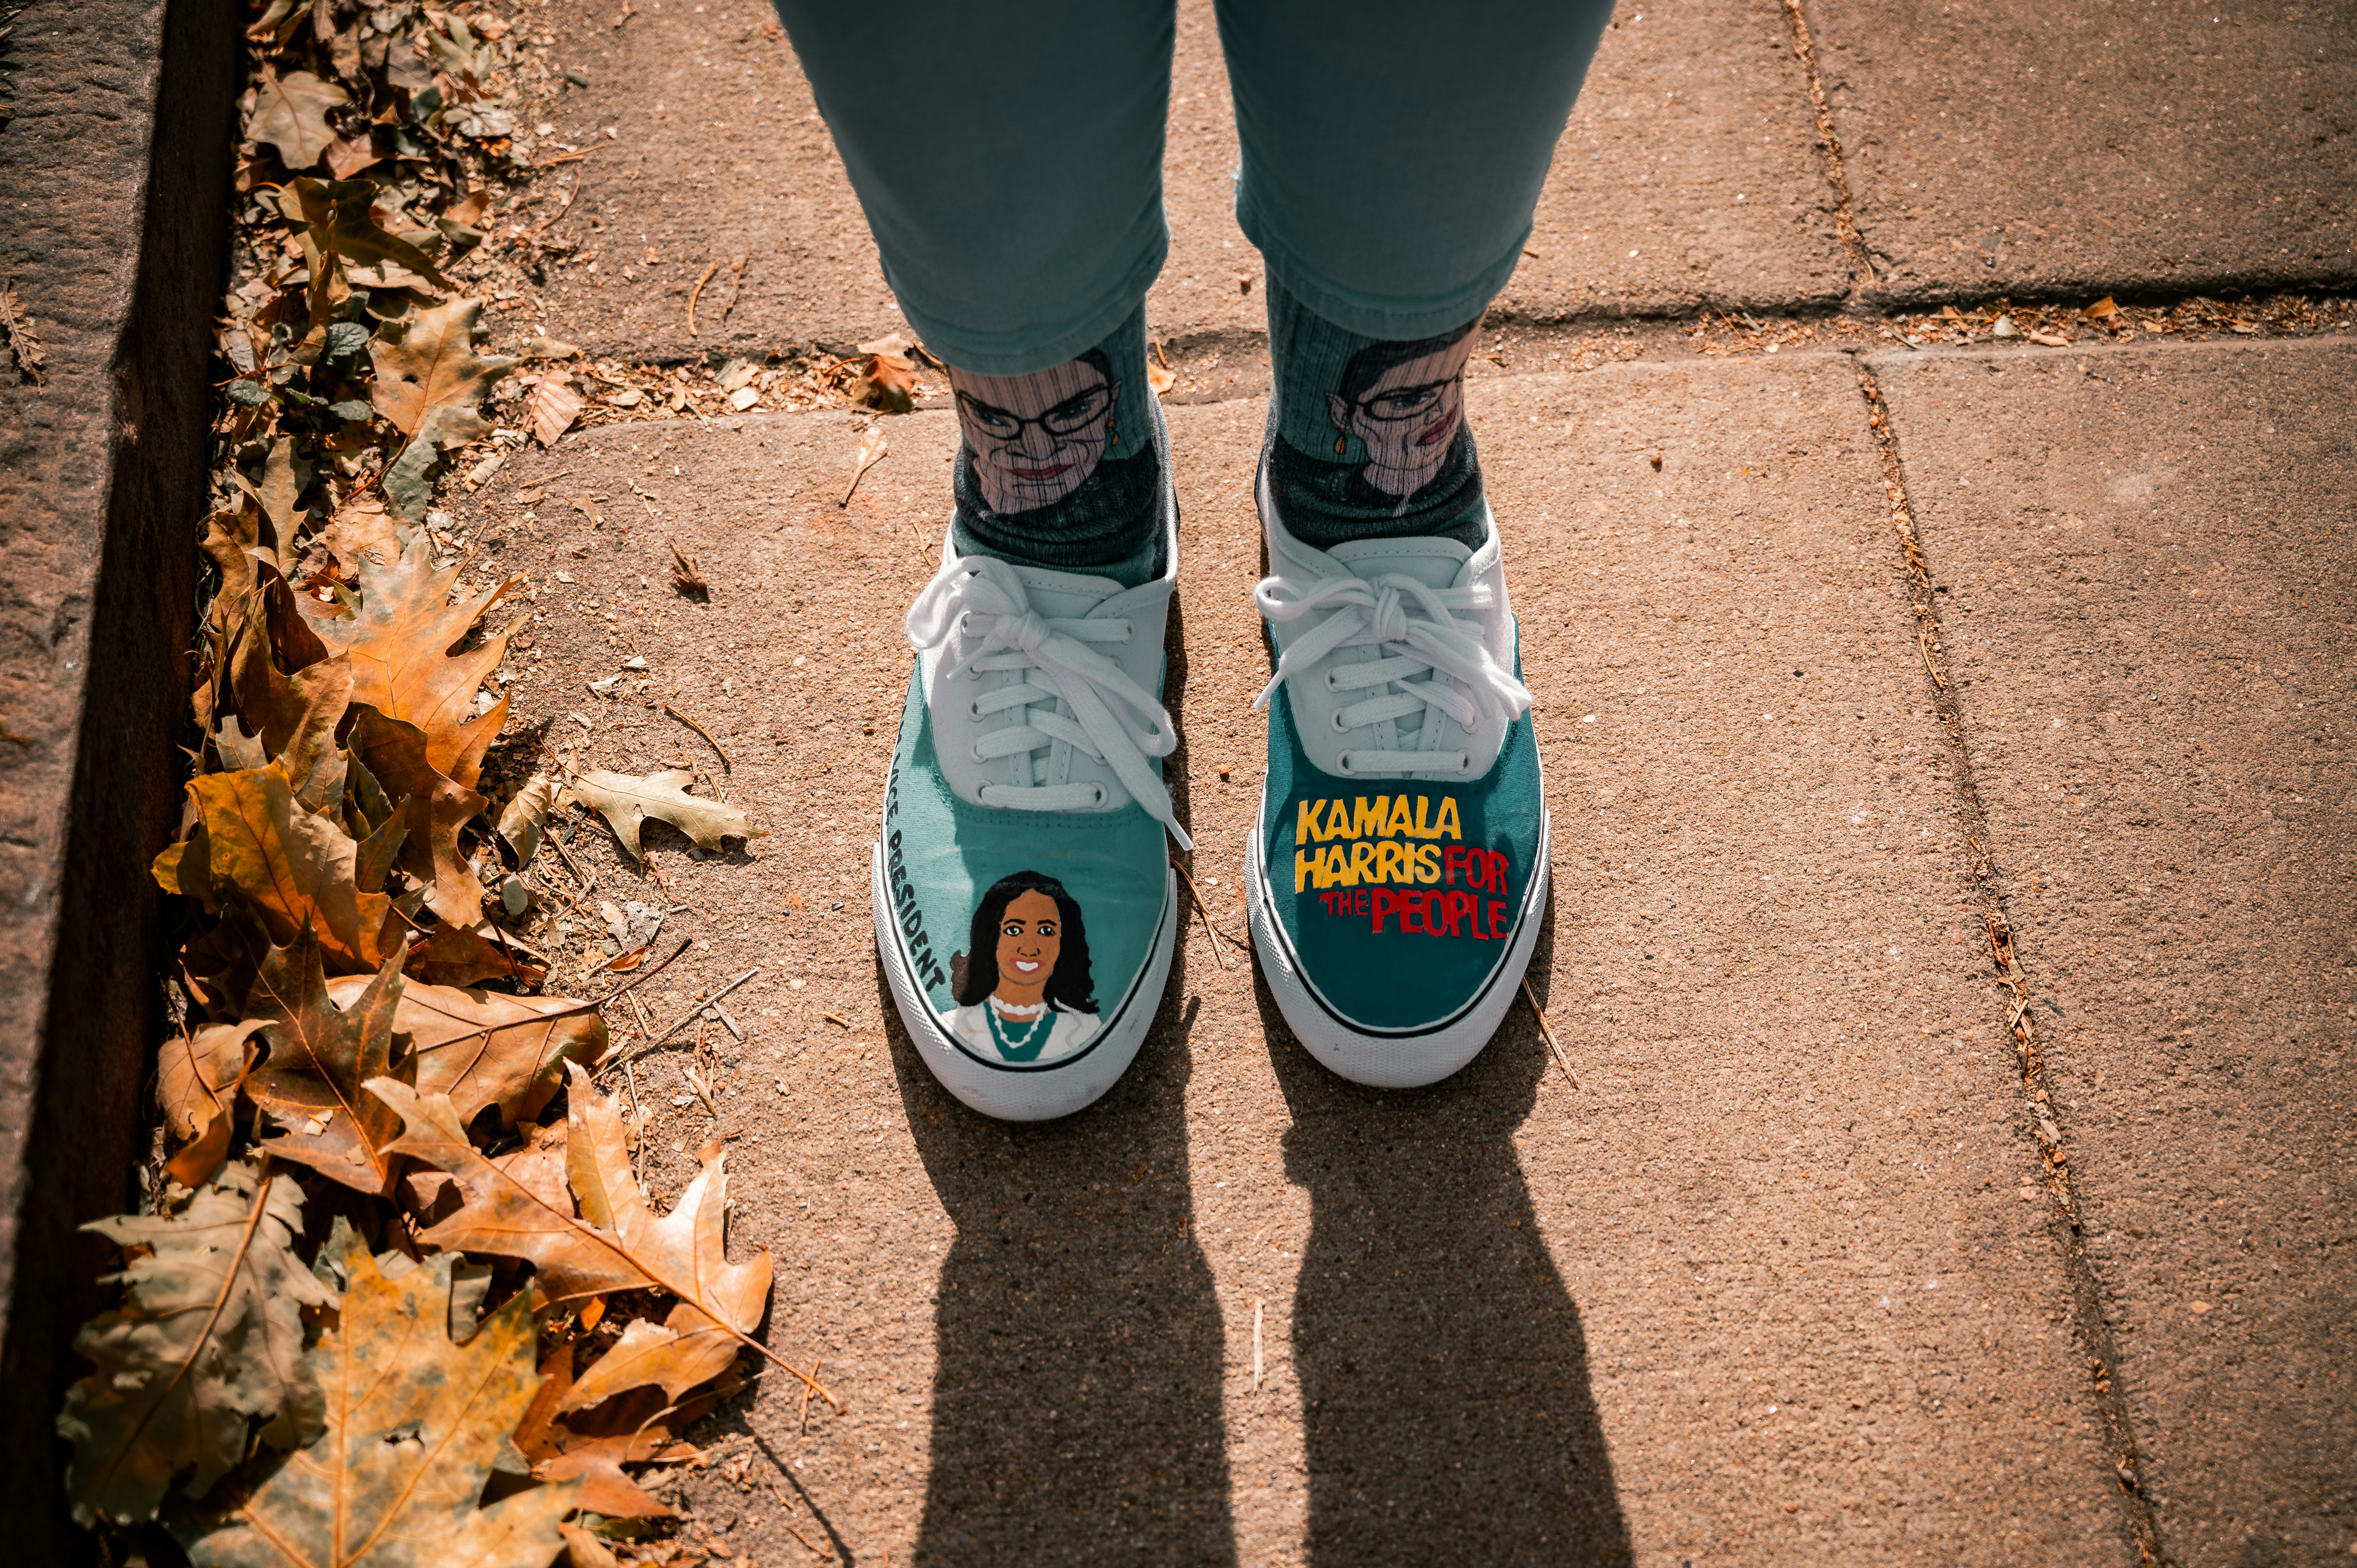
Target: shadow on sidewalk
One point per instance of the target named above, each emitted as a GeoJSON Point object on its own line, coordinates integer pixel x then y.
{"type": "Point", "coordinates": [1076, 1399]}
{"type": "Point", "coordinates": [1444, 1376]}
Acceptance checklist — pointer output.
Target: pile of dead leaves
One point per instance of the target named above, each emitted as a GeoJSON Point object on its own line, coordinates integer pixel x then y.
{"type": "Point", "coordinates": [393, 1293]}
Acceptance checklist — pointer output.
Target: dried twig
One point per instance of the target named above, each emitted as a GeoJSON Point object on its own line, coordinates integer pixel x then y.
{"type": "Point", "coordinates": [697, 293]}
{"type": "Point", "coordinates": [809, 1384]}
{"type": "Point", "coordinates": [1203, 909]}
{"type": "Point", "coordinates": [656, 1042]}
{"type": "Point", "coordinates": [702, 731]}
{"type": "Point", "coordinates": [1546, 1034]}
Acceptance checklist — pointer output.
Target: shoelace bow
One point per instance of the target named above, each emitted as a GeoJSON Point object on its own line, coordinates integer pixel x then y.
{"type": "Point", "coordinates": [1415, 653]}
{"type": "Point", "coordinates": [1113, 720]}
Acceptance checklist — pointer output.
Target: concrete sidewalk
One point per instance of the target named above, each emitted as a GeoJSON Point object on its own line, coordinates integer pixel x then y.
{"type": "Point", "coordinates": [1818, 1259]}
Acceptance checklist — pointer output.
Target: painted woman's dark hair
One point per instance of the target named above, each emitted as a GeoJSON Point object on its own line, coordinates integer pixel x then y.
{"type": "Point", "coordinates": [974, 974]}
{"type": "Point", "coordinates": [1370, 364]}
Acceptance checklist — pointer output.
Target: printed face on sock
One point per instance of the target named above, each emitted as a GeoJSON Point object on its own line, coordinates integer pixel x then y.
{"type": "Point", "coordinates": [1406, 402]}
{"type": "Point", "coordinates": [1030, 940]}
{"type": "Point", "coordinates": [1037, 437]}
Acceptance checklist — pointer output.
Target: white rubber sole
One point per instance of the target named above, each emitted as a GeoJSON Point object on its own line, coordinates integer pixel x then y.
{"type": "Point", "coordinates": [1025, 1094]}
{"type": "Point", "coordinates": [1392, 1058]}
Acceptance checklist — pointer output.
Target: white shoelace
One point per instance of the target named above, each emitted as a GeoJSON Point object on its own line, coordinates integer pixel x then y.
{"type": "Point", "coordinates": [1425, 663]}
{"type": "Point", "coordinates": [1113, 720]}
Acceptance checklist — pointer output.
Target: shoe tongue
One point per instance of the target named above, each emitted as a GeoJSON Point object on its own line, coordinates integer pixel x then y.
{"type": "Point", "coordinates": [1435, 563]}
{"type": "Point", "coordinates": [1064, 596]}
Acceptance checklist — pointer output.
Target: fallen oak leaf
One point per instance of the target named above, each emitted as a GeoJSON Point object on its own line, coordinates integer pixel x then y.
{"type": "Point", "coordinates": [435, 806]}
{"type": "Point", "coordinates": [290, 113]}
{"type": "Point", "coordinates": [616, 1242]}
{"type": "Point", "coordinates": [321, 1057]}
{"type": "Point", "coordinates": [196, 1078]}
{"type": "Point", "coordinates": [291, 868]}
{"type": "Point", "coordinates": [208, 1336]}
{"type": "Point", "coordinates": [626, 803]}
{"type": "Point", "coordinates": [686, 1349]}
{"type": "Point", "coordinates": [399, 636]}
{"type": "Point", "coordinates": [486, 1049]}
{"type": "Point", "coordinates": [340, 223]}
{"type": "Point", "coordinates": [558, 1453]}
{"type": "Point", "coordinates": [414, 1424]}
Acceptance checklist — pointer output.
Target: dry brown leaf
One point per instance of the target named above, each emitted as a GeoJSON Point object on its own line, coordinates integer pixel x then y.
{"type": "Point", "coordinates": [484, 1049]}
{"type": "Point", "coordinates": [626, 803]}
{"type": "Point", "coordinates": [557, 1451]}
{"type": "Point", "coordinates": [616, 1241]}
{"type": "Point", "coordinates": [414, 1424]}
{"type": "Point", "coordinates": [674, 1355]}
{"type": "Point", "coordinates": [290, 113]}
{"type": "Point", "coordinates": [341, 222]}
{"type": "Point", "coordinates": [525, 817]}
{"type": "Point", "coordinates": [551, 409]}
{"type": "Point", "coordinates": [209, 1336]}
{"type": "Point", "coordinates": [348, 155]}
{"type": "Point", "coordinates": [433, 376]}
{"type": "Point", "coordinates": [197, 1076]}
{"type": "Point", "coordinates": [539, 1168]}
{"type": "Point", "coordinates": [466, 955]}
{"type": "Point", "coordinates": [584, 1550]}
{"type": "Point", "coordinates": [400, 636]}
{"type": "Point", "coordinates": [291, 868]}
{"type": "Point", "coordinates": [434, 806]}
{"type": "Point", "coordinates": [886, 382]}
{"type": "Point", "coordinates": [320, 1058]}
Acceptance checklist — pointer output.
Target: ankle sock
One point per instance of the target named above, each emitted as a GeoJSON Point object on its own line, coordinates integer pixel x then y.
{"type": "Point", "coordinates": [1062, 467]}
{"type": "Point", "coordinates": [1367, 438]}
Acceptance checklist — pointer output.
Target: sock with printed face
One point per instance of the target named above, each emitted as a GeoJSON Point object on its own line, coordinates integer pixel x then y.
{"type": "Point", "coordinates": [1062, 467]}
{"type": "Point", "coordinates": [1366, 437]}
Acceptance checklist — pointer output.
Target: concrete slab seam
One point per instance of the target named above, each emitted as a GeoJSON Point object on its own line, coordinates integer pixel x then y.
{"type": "Point", "coordinates": [2087, 1289]}
{"type": "Point", "coordinates": [1829, 150]}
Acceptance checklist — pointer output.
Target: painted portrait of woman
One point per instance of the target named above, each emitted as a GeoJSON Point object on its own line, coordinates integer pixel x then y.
{"type": "Point", "coordinates": [1037, 439]}
{"type": "Point", "coordinates": [1405, 402]}
{"type": "Point", "coordinates": [1023, 989]}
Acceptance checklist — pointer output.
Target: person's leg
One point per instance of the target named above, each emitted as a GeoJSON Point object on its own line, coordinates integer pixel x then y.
{"type": "Point", "coordinates": [1392, 153]}
{"type": "Point", "coordinates": [1010, 165]}
{"type": "Point", "coordinates": [1391, 158]}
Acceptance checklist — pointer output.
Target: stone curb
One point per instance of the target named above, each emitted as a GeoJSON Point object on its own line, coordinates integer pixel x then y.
{"type": "Point", "coordinates": [115, 164]}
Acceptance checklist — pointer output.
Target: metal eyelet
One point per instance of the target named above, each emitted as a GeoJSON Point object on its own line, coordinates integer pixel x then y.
{"type": "Point", "coordinates": [1102, 796]}
{"type": "Point", "coordinates": [975, 751]}
{"type": "Point", "coordinates": [1335, 718]}
{"type": "Point", "coordinates": [1342, 761]}
{"type": "Point", "coordinates": [1329, 682]}
{"type": "Point", "coordinates": [974, 709]}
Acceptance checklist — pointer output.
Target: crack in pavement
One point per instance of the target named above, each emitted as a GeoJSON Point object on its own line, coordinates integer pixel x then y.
{"type": "Point", "coordinates": [2087, 1289]}
{"type": "Point", "coordinates": [1829, 150]}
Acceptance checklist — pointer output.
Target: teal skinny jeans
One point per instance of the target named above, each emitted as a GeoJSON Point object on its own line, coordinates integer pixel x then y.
{"type": "Point", "coordinates": [1009, 156]}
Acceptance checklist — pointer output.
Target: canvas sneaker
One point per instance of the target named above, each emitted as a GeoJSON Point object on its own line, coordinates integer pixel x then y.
{"type": "Point", "coordinates": [1398, 868]}
{"type": "Point", "coordinates": [1025, 904]}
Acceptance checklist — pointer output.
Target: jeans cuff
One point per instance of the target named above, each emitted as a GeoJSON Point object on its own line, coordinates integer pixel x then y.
{"type": "Point", "coordinates": [1017, 351]}
{"type": "Point", "coordinates": [1389, 318]}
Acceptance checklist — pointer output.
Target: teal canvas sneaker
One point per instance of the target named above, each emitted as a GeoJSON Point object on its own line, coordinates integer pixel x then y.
{"type": "Point", "coordinates": [1399, 865]}
{"type": "Point", "coordinates": [1025, 904]}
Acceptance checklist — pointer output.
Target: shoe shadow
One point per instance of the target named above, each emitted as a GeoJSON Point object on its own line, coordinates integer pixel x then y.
{"type": "Point", "coordinates": [1076, 1395]}
{"type": "Point", "coordinates": [1444, 1376]}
